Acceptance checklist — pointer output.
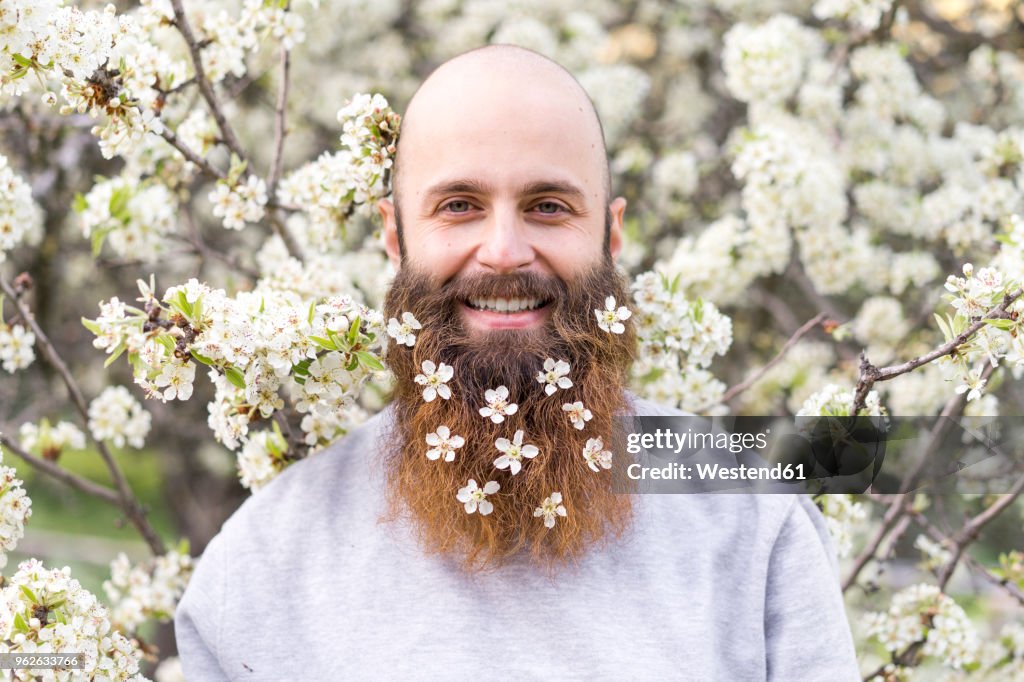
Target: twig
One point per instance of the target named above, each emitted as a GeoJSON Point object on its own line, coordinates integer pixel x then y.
{"type": "Point", "coordinates": [969, 532]}
{"type": "Point", "coordinates": [74, 480]}
{"type": "Point", "coordinates": [205, 87]}
{"type": "Point", "coordinates": [744, 385]}
{"type": "Point", "coordinates": [189, 154]}
{"type": "Point", "coordinates": [279, 124]}
{"type": "Point", "coordinates": [869, 374]}
{"type": "Point", "coordinates": [129, 504]}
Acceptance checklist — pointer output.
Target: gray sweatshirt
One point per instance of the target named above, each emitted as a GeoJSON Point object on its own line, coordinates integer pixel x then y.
{"type": "Point", "coordinates": [303, 583]}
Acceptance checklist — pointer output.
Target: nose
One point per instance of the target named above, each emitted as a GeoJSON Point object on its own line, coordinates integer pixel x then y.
{"type": "Point", "coordinates": [504, 246]}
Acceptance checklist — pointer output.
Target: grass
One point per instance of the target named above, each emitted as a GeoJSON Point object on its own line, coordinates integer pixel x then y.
{"type": "Point", "coordinates": [72, 514]}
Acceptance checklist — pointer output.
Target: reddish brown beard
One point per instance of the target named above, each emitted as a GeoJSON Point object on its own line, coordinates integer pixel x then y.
{"type": "Point", "coordinates": [424, 490]}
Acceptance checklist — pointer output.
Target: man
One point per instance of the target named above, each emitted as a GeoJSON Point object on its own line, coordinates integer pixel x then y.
{"type": "Point", "coordinates": [471, 529]}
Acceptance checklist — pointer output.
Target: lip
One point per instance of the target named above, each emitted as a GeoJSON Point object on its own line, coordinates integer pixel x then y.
{"type": "Point", "coordinates": [486, 319]}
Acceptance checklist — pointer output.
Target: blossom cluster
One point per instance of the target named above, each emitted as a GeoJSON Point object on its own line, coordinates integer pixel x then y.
{"type": "Point", "coordinates": [116, 416]}
{"type": "Point", "coordinates": [47, 440]}
{"type": "Point", "coordinates": [678, 340]}
{"type": "Point", "coordinates": [21, 220]}
{"type": "Point", "coordinates": [843, 515]}
{"type": "Point", "coordinates": [341, 183]}
{"type": "Point", "coordinates": [47, 611]}
{"type": "Point", "coordinates": [258, 345]}
{"type": "Point", "coordinates": [923, 613]}
{"type": "Point", "coordinates": [15, 509]}
{"type": "Point", "coordinates": [150, 589]}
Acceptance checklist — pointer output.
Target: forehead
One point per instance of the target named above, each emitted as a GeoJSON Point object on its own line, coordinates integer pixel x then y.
{"type": "Point", "coordinates": [503, 129]}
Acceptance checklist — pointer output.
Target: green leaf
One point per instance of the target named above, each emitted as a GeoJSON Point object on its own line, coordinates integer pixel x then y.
{"type": "Point", "coordinates": [79, 204]}
{"type": "Point", "coordinates": [1000, 323]}
{"type": "Point", "coordinates": [368, 360]}
{"type": "Point", "coordinates": [19, 623]}
{"type": "Point", "coordinates": [200, 358]}
{"type": "Point", "coordinates": [115, 354]}
{"type": "Point", "coordinates": [326, 344]}
{"type": "Point", "coordinates": [235, 376]}
{"type": "Point", "coordinates": [30, 594]}
{"type": "Point", "coordinates": [947, 334]}
{"type": "Point", "coordinates": [91, 326]}
{"type": "Point", "coordinates": [97, 238]}
{"type": "Point", "coordinates": [118, 205]}
{"type": "Point", "coordinates": [312, 308]}
{"type": "Point", "coordinates": [20, 60]}
{"type": "Point", "coordinates": [352, 364]}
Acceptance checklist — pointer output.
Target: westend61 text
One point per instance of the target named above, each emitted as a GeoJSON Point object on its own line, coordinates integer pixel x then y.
{"type": "Point", "coordinates": [717, 472]}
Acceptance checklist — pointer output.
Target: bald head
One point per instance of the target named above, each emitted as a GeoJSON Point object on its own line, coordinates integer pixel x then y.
{"type": "Point", "coordinates": [506, 92]}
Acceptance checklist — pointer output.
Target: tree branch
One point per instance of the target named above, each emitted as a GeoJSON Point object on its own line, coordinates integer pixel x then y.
{"type": "Point", "coordinates": [60, 473]}
{"type": "Point", "coordinates": [128, 502]}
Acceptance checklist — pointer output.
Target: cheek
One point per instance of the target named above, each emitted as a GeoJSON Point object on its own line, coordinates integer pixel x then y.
{"type": "Point", "coordinates": [440, 257]}
{"type": "Point", "coordinates": [569, 256]}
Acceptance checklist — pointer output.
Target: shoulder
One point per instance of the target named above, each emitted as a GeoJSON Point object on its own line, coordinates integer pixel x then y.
{"type": "Point", "coordinates": [301, 495]}
{"type": "Point", "coordinates": [642, 407]}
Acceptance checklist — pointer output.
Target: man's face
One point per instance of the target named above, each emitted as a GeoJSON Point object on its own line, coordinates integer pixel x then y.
{"type": "Point", "coordinates": [503, 187]}
{"type": "Point", "coordinates": [503, 214]}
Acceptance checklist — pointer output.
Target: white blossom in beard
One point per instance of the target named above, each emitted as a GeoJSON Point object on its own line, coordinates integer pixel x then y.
{"type": "Point", "coordinates": [443, 444]}
{"type": "Point", "coordinates": [498, 406]}
{"type": "Point", "coordinates": [550, 508]}
{"type": "Point", "coordinates": [475, 499]}
{"type": "Point", "coordinates": [435, 378]}
{"type": "Point", "coordinates": [578, 414]}
{"type": "Point", "coordinates": [553, 376]}
{"type": "Point", "coordinates": [513, 452]}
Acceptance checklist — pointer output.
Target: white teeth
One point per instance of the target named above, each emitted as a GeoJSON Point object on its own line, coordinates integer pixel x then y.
{"type": "Point", "coordinates": [505, 305]}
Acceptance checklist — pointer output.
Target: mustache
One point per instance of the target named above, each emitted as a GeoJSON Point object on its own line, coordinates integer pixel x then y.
{"type": "Point", "coordinates": [528, 285]}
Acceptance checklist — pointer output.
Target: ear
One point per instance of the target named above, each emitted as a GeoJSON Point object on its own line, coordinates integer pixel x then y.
{"type": "Point", "coordinates": [618, 211]}
{"type": "Point", "coordinates": [387, 214]}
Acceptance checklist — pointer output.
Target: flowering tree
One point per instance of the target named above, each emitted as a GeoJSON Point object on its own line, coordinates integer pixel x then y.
{"type": "Point", "coordinates": [825, 192]}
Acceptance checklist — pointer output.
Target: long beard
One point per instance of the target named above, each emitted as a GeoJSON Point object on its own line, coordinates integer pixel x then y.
{"type": "Point", "coordinates": [424, 490]}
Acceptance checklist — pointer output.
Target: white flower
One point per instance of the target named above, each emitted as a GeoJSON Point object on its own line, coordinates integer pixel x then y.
{"type": "Point", "coordinates": [442, 442]}
{"type": "Point", "coordinates": [16, 347]}
{"type": "Point", "coordinates": [474, 498]}
{"type": "Point", "coordinates": [550, 508]}
{"type": "Point", "coordinates": [498, 406]}
{"type": "Point", "coordinates": [436, 380]}
{"type": "Point", "coordinates": [178, 378]}
{"type": "Point", "coordinates": [15, 509]}
{"type": "Point", "coordinates": [240, 204]}
{"type": "Point", "coordinates": [116, 416]}
{"type": "Point", "coordinates": [595, 454]}
{"type": "Point", "coordinates": [610, 319]}
{"type": "Point", "coordinates": [554, 375]}
{"type": "Point", "coordinates": [972, 386]}
{"type": "Point", "coordinates": [513, 452]}
{"type": "Point", "coordinates": [404, 332]}
{"type": "Point", "coordinates": [577, 413]}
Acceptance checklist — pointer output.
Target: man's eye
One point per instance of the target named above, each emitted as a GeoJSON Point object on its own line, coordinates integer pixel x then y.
{"type": "Point", "coordinates": [457, 206]}
{"type": "Point", "coordinates": [549, 207]}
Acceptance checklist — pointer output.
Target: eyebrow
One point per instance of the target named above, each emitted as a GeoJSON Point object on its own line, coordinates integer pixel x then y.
{"type": "Point", "coordinates": [471, 186]}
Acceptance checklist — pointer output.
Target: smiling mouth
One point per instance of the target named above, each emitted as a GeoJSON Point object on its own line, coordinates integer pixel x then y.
{"type": "Point", "coordinates": [506, 305]}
